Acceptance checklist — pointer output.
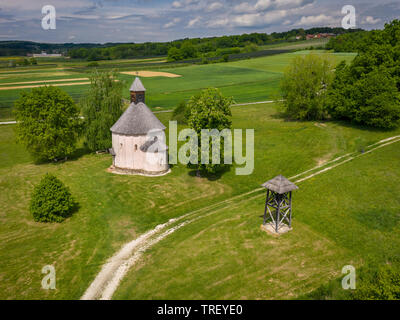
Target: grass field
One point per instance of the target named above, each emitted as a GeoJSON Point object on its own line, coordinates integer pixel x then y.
{"type": "Point", "coordinates": [246, 80]}
{"type": "Point", "coordinates": [229, 248]}
{"type": "Point", "coordinates": [225, 255]}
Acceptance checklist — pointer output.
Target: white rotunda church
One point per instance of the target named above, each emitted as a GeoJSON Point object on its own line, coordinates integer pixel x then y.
{"type": "Point", "coordinates": [138, 144]}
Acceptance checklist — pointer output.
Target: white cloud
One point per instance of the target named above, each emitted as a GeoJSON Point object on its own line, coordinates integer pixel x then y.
{"type": "Point", "coordinates": [262, 5]}
{"type": "Point", "coordinates": [244, 7]}
{"type": "Point", "coordinates": [172, 23]}
{"type": "Point", "coordinates": [214, 6]}
{"type": "Point", "coordinates": [290, 3]}
{"type": "Point", "coordinates": [321, 19]}
{"type": "Point", "coordinates": [258, 19]}
{"type": "Point", "coordinates": [176, 4]}
{"type": "Point", "coordinates": [371, 20]}
{"type": "Point", "coordinates": [193, 22]}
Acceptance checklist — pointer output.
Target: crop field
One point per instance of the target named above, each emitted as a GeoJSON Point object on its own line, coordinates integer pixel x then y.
{"type": "Point", "coordinates": [246, 80]}
{"type": "Point", "coordinates": [331, 227]}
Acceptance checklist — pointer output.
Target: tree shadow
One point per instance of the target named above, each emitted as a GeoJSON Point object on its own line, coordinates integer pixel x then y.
{"type": "Point", "coordinates": [76, 155]}
{"type": "Point", "coordinates": [281, 115]}
{"type": "Point", "coordinates": [210, 176]}
{"type": "Point", "coordinates": [378, 219]}
{"type": "Point", "coordinates": [74, 209]}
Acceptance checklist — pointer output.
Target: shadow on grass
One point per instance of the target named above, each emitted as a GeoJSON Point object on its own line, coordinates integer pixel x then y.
{"type": "Point", "coordinates": [78, 153]}
{"type": "Point", "coordinates": [74, 209]}
{"type": "Point", "coordinates": [210, 176]}
{"type": "Point", "coordinates": [378, 219]}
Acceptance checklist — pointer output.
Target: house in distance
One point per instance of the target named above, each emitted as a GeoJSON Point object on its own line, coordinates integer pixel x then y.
{"type": "Point", "coordinates": [136, 146]}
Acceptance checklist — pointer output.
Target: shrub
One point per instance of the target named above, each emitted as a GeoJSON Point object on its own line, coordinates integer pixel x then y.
{"type": "Point", "coordinates": [51, 200]}
{"type": "Point", "coordinates": [381, 283]}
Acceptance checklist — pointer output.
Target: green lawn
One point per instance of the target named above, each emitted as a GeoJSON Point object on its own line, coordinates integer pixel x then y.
{"type": "Point", "coordinates": [115, 209]}
{"type": "Point", "coordinates": [347, 216]}
{"type": "Point", "coordinates": [246, 80]}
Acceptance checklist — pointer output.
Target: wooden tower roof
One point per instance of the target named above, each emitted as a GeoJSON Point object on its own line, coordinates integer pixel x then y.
{"type": "Point", "coordinates": [280, 185]}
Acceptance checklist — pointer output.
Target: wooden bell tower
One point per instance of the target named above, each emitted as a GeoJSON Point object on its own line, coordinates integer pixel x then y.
{"type": "Point", "coordinates": [278, 204]}
{"type": "Point", "coordinates": [137, 91]}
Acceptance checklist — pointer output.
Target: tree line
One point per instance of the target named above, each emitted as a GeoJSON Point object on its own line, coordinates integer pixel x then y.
{"type": "Point", "coordinates": [366, 91]}
{"type": "Point", "coordinates": [192, 48]}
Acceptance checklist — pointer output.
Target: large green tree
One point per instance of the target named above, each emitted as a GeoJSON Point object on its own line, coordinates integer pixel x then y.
{"type": "Point", "coordinates": [367, 91]}
{"type": "Point", "coordinates": [210, 110]}
{"type": "Point", "coordinates": [101, 108]}
{"type": "Point", "coordinates": [47, 123]}
{"type": "Point", "coordinates": [304, 87]}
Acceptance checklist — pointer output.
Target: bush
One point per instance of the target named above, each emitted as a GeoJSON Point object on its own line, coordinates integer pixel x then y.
{"type": "Point", "coordinates": [381, 283]}
{"type": "Point", "coordinates": [51, 200]}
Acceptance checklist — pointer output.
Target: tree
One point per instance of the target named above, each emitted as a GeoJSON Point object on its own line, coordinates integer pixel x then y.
{"type": "Point", "coordinates": [367, 91]}
{"type": "Point", "coordinates": [188, 51]}
{"type": "Point", "coordinates": [210, 110]}
{"type": "Point", "coordinates": [181, 113]}
{"type": "Point", "coordinates": [175, 54]}
{"type": "Point", "coordinates": [304, 87]}
{"type": "Point", "coordinates": [373, 99]}
{"type": "Point", "coordinates": [51, 200]}
{"type": "Point", "coordinates": [101, 108]}
{"type": "Point", "coordinates": [47, 123]}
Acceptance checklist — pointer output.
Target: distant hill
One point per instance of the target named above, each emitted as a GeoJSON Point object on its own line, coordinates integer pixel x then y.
{"type": "Point", "coordinates": [97, 51]}
{"type": "Point", "coordinates": [22, 48]}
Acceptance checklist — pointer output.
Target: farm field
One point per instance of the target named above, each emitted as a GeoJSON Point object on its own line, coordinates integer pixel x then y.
{"type": "Point", "coordinates": [246, 80]}
{"type": "Point", "coordinates": [115, 209]}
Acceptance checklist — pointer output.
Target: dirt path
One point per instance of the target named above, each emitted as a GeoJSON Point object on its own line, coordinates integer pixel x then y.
{"type": "Point", "coordinates": [151, 74]}
{"type": "Point", "coordinates": [44, 81]}
{"type": "Point", "coordinates": [111, 274]}
{"type": "Point", "coordinates": [45, 84]}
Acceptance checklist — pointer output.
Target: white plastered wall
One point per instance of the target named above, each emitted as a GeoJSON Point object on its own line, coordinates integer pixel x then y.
{"type": "Point", "coordinates": [129, 156]}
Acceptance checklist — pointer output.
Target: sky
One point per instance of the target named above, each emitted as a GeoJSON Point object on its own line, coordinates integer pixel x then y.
{"type": "Point", "coordinates": [101, 21]}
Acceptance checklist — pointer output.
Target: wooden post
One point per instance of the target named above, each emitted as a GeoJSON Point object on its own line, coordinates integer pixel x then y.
{"type": "Point", "coordinates": [277, 212]}
{"type": "Point", "coordinates": [266, 207]}
{"type": "Point", "coordinates": [290, 209]}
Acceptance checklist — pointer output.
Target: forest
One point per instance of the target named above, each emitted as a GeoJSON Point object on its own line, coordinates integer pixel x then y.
{"type": "Point", "coordinates": [192, 48]}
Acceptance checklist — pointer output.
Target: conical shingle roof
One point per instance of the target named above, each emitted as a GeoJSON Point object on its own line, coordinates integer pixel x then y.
{"type": "Point", "coordinates": [137, 120]}
{"type": "Point", "coordinates": [137, 85]}
{"type": "Point", "coordinates": [280, 185]}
